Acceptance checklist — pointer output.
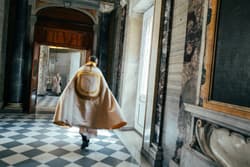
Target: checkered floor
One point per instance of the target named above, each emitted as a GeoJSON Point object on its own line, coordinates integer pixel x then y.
{"type": "Point", "coordinates": [33, 140]}
{"type": "Point", "coordinates": [46, 103]}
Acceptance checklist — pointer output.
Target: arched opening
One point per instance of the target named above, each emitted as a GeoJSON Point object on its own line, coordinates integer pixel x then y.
{"type": "Point", "coordinates": [64, 27]}
{"type": "Point", "coordinates": [58, 27]}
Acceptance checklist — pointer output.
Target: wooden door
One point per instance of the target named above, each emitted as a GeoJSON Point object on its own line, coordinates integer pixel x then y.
{"type": "Point", "coordinates": [34, 78]}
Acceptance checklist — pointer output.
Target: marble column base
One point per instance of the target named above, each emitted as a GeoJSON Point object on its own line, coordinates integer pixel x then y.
{"type": "Point", "coordinates": [173, 164]}
{"type": "Point", "coordinates": [14, 106]}
{"type": "Point", "coordinates": [154, 156]}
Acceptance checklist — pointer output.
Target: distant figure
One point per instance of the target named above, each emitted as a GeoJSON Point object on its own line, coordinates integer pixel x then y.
{"type": "Point", "coordinates": [88, 103]}
{"type": "Point", "coordinates": [56, 84]}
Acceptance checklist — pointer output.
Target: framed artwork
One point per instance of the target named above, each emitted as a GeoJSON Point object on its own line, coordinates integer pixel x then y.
{"type": "Point", "coordinates": [227, 58]}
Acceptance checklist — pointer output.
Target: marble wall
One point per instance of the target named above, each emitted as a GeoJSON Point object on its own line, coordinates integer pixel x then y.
{"type": "Point", "coordinates": [183, 76]}
{"type": "Point", "coordinates": [120, 20]}
{"type": "Point", "coordinates": [171, 129]}
{"type": "Point", "coordinates": [102, 50]}
{"type": "Point", "coordinates": [192, 51]}
{"type": "Point", "coordinates": [224, 126]}
{"type": "Point", "coordinates": [183, 87]}
{"type": "Point", "coordinates": [3, 6]}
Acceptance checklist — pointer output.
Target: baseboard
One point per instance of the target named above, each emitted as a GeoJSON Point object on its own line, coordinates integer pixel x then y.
{"type": "Point", "coordinates": [147, 156]}
{"type": "Point", "coordinates": [173, 164]}
{"type": "Point", "coordinates": [14, 106]}
{"type": "Point", "coordinates": [126, 128]}
{"type": "Point", "coordinates": [154, 157]}
{"type": "Point", "coordinates": [191, 157]}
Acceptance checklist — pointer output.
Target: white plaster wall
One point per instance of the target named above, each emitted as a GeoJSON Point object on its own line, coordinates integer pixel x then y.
{"type": "Point", "coordinates": [131, 63]}
{"type": "Point", "coordinates": [60, 63]}
{"type": "Point", "coordinates": [66, 64]}
{"type": "Point", "coordinates": [74, 64]}
{"type": "Point", "coordinates": [174, 83]}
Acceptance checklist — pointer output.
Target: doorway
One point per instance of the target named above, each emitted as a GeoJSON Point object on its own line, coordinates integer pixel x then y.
{"type": "Point", "coordinates": [57, 31]}
{"type": "Point", "coordinates": [57, 65]}
{"type": "Point", "coordinates": [144, 69]}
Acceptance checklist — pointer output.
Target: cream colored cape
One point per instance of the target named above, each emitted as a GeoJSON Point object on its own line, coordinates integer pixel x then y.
{"type": "Point", "coordinates": [88, 102]}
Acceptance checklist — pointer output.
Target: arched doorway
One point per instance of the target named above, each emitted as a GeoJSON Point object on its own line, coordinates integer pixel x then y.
{"type": "Point", "coordinates": [59, 27]}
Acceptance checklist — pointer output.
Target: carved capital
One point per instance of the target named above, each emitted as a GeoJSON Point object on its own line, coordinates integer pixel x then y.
{"type": "Point", "coordinates": [106, 7]}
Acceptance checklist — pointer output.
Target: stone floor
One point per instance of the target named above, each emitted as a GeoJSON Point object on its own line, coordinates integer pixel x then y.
{"type": "Point", "coordinates": [33, 140]}
{"type": "Point", "coordinates": [133, 142]}
{"type": "Point", "coordinates": [131, 139]}
{"type": "Point", "coordinates": [46, 103]}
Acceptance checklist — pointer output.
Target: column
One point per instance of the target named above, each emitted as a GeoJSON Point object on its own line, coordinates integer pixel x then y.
{"type": "Point", "coordinates": [16, 61]}
{"type": "Point", "coordinates": [96, 39]}
{"type": "Point", "coordinates": [152, 138]}
{"type": "Point", "coordinates": [4, 9]}
{"type": "Point", "coordinates": [104, 21]}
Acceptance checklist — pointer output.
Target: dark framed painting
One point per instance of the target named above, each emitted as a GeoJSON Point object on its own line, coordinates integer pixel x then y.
{"type": "Point", "coordinates": [227, 58]}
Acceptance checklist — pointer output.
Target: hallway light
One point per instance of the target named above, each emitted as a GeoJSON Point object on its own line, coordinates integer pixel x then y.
{"type": "Point", "coordinates": [58, 47]}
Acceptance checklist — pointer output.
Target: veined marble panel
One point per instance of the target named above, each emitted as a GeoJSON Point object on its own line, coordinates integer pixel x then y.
{"type": "Point", "coordinates": [2, 5]}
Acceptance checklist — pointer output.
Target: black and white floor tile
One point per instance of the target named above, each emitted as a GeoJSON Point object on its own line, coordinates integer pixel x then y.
{"type": "Point", "coordinates": [46, 103]}
{"type": "Point", "coordinates": [29, 140]}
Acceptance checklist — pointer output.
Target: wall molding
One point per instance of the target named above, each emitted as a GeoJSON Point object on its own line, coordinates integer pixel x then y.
{"type": "Point", "coordinates": [74, 5]}
{"type": "Point", "coordinates": [204, 123]}
{"type": "Point", "coordinates": [142, 5]}
{"type": "Point", "coordinates": [152, 139]}
{"type": "Point", "coordinates": [228, 121]}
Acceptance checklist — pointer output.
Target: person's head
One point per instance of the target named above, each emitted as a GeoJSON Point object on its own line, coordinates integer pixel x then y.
{"type": "Point", "coordinates": [93, 59]}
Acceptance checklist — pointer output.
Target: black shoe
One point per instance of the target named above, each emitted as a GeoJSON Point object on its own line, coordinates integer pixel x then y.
{"type": "Point", "coordinates": [85, 141]}
{"type": "Point", "coordinates": [84, 145]}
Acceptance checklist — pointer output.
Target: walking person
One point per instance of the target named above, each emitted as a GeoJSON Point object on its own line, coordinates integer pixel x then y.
{"type": "Point", "coordinates": [56, 84]}
{"type": "Point", "coordinates": [88, 103]}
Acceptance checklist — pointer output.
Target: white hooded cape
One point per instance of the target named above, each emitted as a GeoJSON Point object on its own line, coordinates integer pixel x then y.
{"type": "Point", "coordinates": [88, 102]}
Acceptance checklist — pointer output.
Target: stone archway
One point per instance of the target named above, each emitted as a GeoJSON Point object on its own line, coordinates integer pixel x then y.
{"type": "Point", "coordinates": [64, 27]}
{"type": "Point", "coordinates": [61, 27]}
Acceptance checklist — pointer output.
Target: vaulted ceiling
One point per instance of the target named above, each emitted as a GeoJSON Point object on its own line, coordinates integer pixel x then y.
{"type": "Point", "coordinates": [93, 4]}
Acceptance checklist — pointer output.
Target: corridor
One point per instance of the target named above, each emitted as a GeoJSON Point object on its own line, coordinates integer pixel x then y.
{"type": "Point", "coordinates": [33, 140]}
{"type": "Point", "coordinates": [179, 70]}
